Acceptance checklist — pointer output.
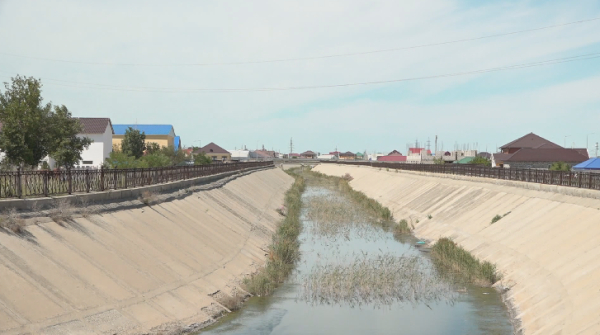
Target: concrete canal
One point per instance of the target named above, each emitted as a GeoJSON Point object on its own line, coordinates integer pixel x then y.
{"type": "Point", "coordinates": [356, 277]}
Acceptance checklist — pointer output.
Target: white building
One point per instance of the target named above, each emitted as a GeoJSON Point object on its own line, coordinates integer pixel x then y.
{"type": "Point", "coordinates": [240, 155]}
{"type": "Point", "coordinates": [100, 131]}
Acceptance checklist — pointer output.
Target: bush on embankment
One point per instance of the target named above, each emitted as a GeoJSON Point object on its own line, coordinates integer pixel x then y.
{"type": "Point", "coordinates": [284, 250]}
{"type": "Point", "coordinates": [456, 260]}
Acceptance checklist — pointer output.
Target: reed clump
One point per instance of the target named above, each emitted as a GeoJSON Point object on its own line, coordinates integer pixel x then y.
{"type": "Point", "coordinates": [381, 280]}
{"type": "Point", "coordinates": [402, 228]}
{"type": "Point", "coordinates": [456, 261]}
{"type": "Point", "coordinates": [62, 210]}
{"type": "Point", "coordinates": [284, 249]}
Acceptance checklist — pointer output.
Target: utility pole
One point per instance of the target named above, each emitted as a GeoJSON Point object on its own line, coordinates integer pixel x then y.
{"type": "Point", "coordinates": [291, 148]}
{"type": "Point", "coordinates": [436, 148]}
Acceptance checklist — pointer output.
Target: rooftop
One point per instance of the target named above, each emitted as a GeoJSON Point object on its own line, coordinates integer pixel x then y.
{"type": "Point", "coordinates": [148, 129]}
{"type": "Point", "coordinates": [95, 125]}
{"type": "Point", "coordinates": [547, 155]}
{"type": "Point", "coordinates": [531, 140]}
{"type": "Point", "coordinates": [211, 148]}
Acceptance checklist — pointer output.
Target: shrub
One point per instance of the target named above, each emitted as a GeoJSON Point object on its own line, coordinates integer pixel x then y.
{"type": "Point", "coordinates": [62, 210]}
{"type": "Point", "coordinates": [232, 303]}
{"type": "Point", "coordinates": [347, 177]}
{"type": "Point", "coordinates": [86, 209]}
{"type": "Point", "coordinates": [12, 221]}
{"type": "Point", "coordinates": [429, 217]}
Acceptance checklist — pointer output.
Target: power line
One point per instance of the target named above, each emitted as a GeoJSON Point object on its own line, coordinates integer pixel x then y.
{"type": "Point", "coordinates": [281, 60]}
{"type": "Point", "coordinates": [66, 83]}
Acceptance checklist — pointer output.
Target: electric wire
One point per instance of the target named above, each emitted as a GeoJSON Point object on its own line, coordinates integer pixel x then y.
{"type": "Point", "coordinates": [88, 85]}
{"type": "Point", "coordinates": [296, 59]}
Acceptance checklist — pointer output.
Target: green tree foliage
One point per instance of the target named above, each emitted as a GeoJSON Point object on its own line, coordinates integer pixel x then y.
{"type": "Point", "coordinates": [32, 130]}
{"type": "Point", "coordinates": [202, 159]}
{"type": "Point", "coordinates": [481, 161]}
{"type": "Point", "coordinates": [157, 159]}
{"type": "Point", "coordinates": [66, 146]}
{"type": "Point", "coordinates": [438, 161]}
{"type": "Point", "coordinates": [134, 143]}
{"type": "Point", "coordinates": [560, 166]}
{"type": "Point", "coordinates": [152, 148]}
{"type": "Point", "coordinates": [120, 160]}
{"type": "Point", "coordinates": [176, 156]}
{"type": "Point", "coordinates": [25, 137]}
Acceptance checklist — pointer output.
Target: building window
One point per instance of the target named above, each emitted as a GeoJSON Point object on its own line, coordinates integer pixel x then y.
{"type": "Point", "coordinates": [87, 162]}
{"type": "Point", "coordinates": [214, 158]}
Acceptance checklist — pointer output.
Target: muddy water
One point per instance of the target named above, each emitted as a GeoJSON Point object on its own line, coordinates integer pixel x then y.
{"type": "Point", "coordinates": [472, 310]}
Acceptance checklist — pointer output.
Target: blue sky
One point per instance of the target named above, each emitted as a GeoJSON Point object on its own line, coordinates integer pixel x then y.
{"type": "Point", "coordinates": [489, 109]}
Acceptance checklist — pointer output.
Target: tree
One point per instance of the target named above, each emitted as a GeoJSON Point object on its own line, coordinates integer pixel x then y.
{"type": "Point", "coordinates": [438, 161]}
{"type": "Point", "coordinates": [65, 146]}
{"type": "Point", "coordinates": [152, 148]}
{"type": "Point", "coordinates": [176, 156]}
{"type": "Point", "coordinates": [26, 137]}
{"type": "Point", "coordinates": [481, 161]}
{"type": "Point", "coordinates": [560, 166]}
{"type": "Point", "coordinates": [202, 159]}
{"type": "Point", "coordinates": [134, 143]}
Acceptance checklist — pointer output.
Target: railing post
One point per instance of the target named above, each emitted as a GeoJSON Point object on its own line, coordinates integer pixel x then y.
{"type": "Point", "coordinates": [87, 180]}
{"type": "Point", "coordinates": [590, 183]}
{"type": "Point", "coordinates": [142, 177]}
{"type": "Point", "coordinates": [46, 172]}
{"type": "Point", "coordinates": [579, 183]}
{"type": "Point", "coordinates": [19, 187]}
{"type": "Point", "coordinates": [70, 180]}
{"type": "Point", "coordinates": [102, 178]}
{"type": "Point", "coordinates": [116, 178]}
{"type": "Point", "coordinates": [125, 179]}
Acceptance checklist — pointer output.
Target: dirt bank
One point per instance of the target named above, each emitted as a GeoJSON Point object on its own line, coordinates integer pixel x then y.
{"type": "Point", "coordinates": [137, 268]}
{"type": "Point", "coordinates": [546, 247]}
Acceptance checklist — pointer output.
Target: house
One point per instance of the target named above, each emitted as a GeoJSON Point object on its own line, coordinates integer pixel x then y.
{"type": "Point", "coordinates": [326, 157]}
{"type": "Point", "coordinates": [535, 152]}
{"type": "Point", "coordinates": [347, 155]}
{"type": "Point", "coordinates": [394, 156]}
{"type": "Point", "coordinates": [161, 134]}
{"type": "Point", "coordinates": [100, 131]}
{"type": "Point", "coordinates": [529, 158]}
{"type": "Point", "coordinates": [360, 156]}
{"type": "Point", "coordinates": [419, 155]}
{"type": "Point", "coordinates": [498, 160]}
{"type": "Point", "coordinates": [308, 154]}
{"type": "Point", "coordinates": [240, 155]}
{"type": "Point", "coordinates": [215, 152]}
{"type": "Point", "coordinates": [264, 154]}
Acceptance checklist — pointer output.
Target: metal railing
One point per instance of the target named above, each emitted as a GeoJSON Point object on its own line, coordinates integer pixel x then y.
{"type": "Point", "coordinates": [43, 183]}
{"type": "Point", "coordinates": [571, 178]}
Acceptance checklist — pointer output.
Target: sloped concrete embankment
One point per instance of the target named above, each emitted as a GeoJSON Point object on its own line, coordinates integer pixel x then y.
{"type": "Point", "coordinates": [547, 247]}
{"type": "Point", "coordinates": [133, 269]}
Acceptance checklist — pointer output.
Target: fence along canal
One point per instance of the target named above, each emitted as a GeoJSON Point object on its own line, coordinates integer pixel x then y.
{"type": "Point", "coordinates": [560, 178]}
{"type": "Point", "coordinates": [43, 183]}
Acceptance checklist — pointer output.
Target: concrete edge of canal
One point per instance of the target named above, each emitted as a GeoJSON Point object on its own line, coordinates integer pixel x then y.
{"type": "Point", "coordinates": [545, 245]}
{"type": "Point", "coordinates": [138, 268]}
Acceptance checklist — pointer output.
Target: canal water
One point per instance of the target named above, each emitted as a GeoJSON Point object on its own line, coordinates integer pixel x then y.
{"type": "Point", "coordinates": [292, 309]}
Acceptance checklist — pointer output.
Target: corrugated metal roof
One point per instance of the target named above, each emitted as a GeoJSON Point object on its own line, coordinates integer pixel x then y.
{"type": "Point", "coordinates": [148, 129]}
{"type": "Point", "coordinates": [391, 158]}
{"type": "Point", "coordinates": [590, 164]}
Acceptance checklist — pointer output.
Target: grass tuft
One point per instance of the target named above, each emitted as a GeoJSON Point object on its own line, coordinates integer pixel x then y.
{"type": "Point", "coordinates": [402, 228]}
{"type": "Point", "coordinates": [347, 177]}
{"type": "Point", "coordinates": [455, 260]}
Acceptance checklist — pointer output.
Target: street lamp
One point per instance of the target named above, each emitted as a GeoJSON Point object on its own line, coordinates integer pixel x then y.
{"type": "Point", "coordinates": [587, 141]}
{"type": "Point", "coordinates": [565, 141]}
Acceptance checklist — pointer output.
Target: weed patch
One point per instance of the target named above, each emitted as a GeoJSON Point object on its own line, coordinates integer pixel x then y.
{"type": "Point", "coordinates": [402, 228]}
{"type": "Point", "coordinates": [498, 217]}
{"type": "Point", "coordinates": [148, 198]}
{"type": "Point", "coordinates": [62, 210]}
{"type": "Point", "coordinates": [284, 249]}
{"type": "Point", "coordinates": [456, 261]}
{"type": "Point", "coordinates": [12, 221]}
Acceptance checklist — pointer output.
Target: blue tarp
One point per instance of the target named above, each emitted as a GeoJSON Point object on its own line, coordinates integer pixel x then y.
{"type": "Point", "coordinates": [590, 164]}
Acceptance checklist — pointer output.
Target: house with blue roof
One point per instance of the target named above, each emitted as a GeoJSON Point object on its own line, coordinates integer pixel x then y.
{"type": "Point", "coordinates": [161, 134]}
